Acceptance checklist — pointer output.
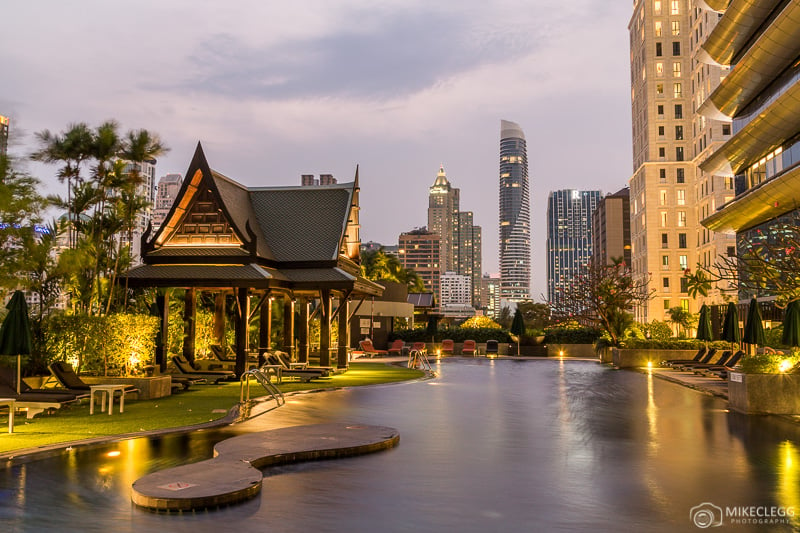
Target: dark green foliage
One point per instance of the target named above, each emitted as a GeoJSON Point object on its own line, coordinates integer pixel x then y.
{"type": "Point", "coordinates": [457, 335]}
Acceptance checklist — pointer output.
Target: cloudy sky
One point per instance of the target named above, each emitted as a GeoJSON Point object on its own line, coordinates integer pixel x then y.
{"type": "Point", "coordinates": [274, 90]}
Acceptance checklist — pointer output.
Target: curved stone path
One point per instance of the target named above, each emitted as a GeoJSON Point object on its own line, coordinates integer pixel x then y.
{"type": "Point", "coordinates": [233, 474]}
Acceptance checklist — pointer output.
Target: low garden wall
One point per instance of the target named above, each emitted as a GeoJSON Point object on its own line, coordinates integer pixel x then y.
{"type": "Point", "coordinates": [639, 357]}
{"type": "Point", "coordinates": [571, 350]}
{"type": "Point", "coordinates": [768, 394]}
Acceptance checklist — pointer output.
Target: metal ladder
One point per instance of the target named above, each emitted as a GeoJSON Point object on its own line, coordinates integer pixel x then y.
{"type": "Point", "coordinates": [263, 378]}
{"type": "Point", "coordinates": [419, 358]}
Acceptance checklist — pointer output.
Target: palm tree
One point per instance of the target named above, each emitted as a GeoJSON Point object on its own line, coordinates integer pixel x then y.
{"type": "Point", "coordinates": [72, 148]}
{"type": "Point", "coordinates": [682, 318]}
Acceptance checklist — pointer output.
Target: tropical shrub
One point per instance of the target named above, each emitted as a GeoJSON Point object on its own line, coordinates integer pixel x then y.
{"type": "Point", "coordinates": [480, 322]}
{"type": "Point", "coordinates": [457, 335]}
{"type": "Point", "coordinates": [769, 363]}
{"type": "Point", "coordinates": [571, 333]}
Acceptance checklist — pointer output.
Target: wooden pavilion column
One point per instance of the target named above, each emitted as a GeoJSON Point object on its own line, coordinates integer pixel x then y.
{"type": "Point", "coordinates": [302, 334]}
{"type": "Point", "coordinates": [162, 305]}
{"type": "Point", "coordinates": [189, 304]}
{"type": "Point", "coordinates": [288, 325]}
{"type": "Point", "coordinates": [242, 315]}
{"type": "Point", "coordinates": [265, 330]}
{"type": "Point", "coordinates": [344, 333]}
{"type": "Point", "coordinates": [325, 328]}
{"type": "Point", "coordinates": [219, 318]}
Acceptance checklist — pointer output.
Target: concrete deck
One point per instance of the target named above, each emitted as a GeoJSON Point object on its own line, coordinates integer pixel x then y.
{"type": "Point", "coordinates": [711, 385]}
{"type": "Point", "coordinates": [233, 474]}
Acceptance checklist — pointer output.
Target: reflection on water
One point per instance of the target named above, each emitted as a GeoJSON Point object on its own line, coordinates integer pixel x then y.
{"type": "Point", "coordinates": [489, 445]}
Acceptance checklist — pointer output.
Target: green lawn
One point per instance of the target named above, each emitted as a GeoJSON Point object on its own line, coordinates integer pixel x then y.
{"type": "Point", "coordinates": [200, 404]}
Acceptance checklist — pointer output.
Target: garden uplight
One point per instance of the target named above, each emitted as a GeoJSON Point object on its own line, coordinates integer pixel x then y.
{"type": "Point", "coordinates": [785, 365]}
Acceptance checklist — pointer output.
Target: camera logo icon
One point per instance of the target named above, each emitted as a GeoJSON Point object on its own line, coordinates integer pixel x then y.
{"type": "Point", "coordinates": [706, 515]}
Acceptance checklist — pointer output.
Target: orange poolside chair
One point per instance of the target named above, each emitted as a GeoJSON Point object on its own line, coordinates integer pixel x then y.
{"type": "Point", "coordinates": [397, 347]}
{"type": "Point", "coordinates": [369, 350]}
{"type": "Point", "coordinates": [469, 348]}
{"type": "Point", "coordinates": [448, 346]}
{"type": "Point", "coordinates": [419, 347]}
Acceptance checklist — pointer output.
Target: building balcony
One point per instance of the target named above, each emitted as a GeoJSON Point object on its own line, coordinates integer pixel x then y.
{"type": "Point", "coordinates": [777, 123]}
{"type": "Point", "coordinates": [742, 19]}
{"type": "Point", "coordinates": [774, 50]}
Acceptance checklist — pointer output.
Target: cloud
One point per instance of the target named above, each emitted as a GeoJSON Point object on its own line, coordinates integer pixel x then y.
{"type": "Point", "coordinates": [389, 55]}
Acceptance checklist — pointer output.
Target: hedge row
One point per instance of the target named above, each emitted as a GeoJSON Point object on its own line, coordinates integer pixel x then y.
{"type": "Point", "coordinates": [456, 335]}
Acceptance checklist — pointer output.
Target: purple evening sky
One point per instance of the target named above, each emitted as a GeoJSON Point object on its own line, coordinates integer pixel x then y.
{"type": "Point", "coordinates": [274, 90]}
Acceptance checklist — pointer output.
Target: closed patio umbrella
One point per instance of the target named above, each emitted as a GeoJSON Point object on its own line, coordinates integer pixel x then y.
{"type": "Point", "coordinates": [518, 327]}
{"type": "Point", "coordinates": [754, 329]}
{"type": "Point", "coordinates": [791, 324]}
{"type": "Point", "coordinates": [704, 325]}
{"type": "Point", "coordinates": [15, 333]}
{"type": "Point", "coordinates": [730, 326]}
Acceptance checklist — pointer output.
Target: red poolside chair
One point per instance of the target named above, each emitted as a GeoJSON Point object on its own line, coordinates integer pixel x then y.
{"type": "Point", "coordinates": [469, 348]}
{"type": "Point", "coordinates": [419, 347]}
{"type": "Point", "coordinates": [397, 347]}
{"type": "Point", "coordinates": [448, 346]}
{"type": "Point", "coordinates": [369, 350]}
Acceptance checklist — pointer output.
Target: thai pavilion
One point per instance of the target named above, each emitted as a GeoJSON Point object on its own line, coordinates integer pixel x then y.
{"type": "Point", "coordinates": [298, 245]}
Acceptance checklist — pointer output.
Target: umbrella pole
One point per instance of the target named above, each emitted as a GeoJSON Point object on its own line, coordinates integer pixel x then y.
{"type": "Point", "coordinates": [19, 372]}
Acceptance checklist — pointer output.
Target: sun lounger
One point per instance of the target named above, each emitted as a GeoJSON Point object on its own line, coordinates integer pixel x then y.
{"type": "Point", "coordinates": [722, 371]}
{"type": "Point", "coordinates": [35, 402]}
{"type": "Point", "coordinates": [721, 361]}
{"type": "Point", "coordinates": [369, 350]}
{"type": "Point", "coordinates": [8, 379]}
{"type": "Point", "coordinates": [398, 347]}
{"type": "Point", "coordinates": [72, 382]}
{"type": "Point", "coordinates": [305, 375]}
{"type": "Point", "coordinates": [492, 347]}
{"type": "Point", "coordinates": [185, 369]}
{"type": "Point", "coordinates": [704, 357]}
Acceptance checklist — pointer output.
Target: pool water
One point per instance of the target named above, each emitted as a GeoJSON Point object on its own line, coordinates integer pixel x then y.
{"type": "Point", "coordinates": [489, 445]}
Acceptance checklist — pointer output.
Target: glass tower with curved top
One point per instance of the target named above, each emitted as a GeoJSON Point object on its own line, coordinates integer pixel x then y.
{"type": "Point", "coordinates": [515, 218]}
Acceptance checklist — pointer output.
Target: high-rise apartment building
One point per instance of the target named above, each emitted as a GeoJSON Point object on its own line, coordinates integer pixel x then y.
{"type": "Point", "coordinates": [760, 42]}
{"type": "Point", "coordinates": [309, 180]}
{"type": "Point", "coordinates": [490, 295]}
{"type": "Point", "coordinates": [460, 239]}
{"type": "Point", "coordinates": [569, 238]}
{"type": "Point", "coordinates": [515, 218]}
{"type": "Point", "coordinates": [4, 135]}
{"type": "Point", "coordinates": [611, 229]}
{"type": "Point", "coordinates": [418, 250]}
{"type": "Point", "coordinates": [664, 222]}
{"type": "Point", "coordinates": [168, 187]}
{"type": "Point", "coordinates": [146, 190]}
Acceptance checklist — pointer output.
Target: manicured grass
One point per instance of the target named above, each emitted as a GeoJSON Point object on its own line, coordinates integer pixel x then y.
{"type": "Point", "coordinates": [200, 404]}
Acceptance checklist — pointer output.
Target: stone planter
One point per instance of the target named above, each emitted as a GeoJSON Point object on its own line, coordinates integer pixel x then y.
{"type": "Point", "coordinates": [571, 350]}
{"type": "Point", "coordinates": [636, 358]}
{"type": "Point", "coordinates": [149, 388]}
{"type": "Point", "coordinates": [764, 394]}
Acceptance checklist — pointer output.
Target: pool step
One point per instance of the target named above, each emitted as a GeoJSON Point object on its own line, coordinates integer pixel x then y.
{"type": "Point", "coordinates": [233, 474]}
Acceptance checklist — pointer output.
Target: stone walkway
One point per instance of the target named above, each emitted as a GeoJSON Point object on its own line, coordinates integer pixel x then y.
{"type": "Point", "coordinates": [710, 385]}
{"type": "Point", "coordinates": [233, 474]}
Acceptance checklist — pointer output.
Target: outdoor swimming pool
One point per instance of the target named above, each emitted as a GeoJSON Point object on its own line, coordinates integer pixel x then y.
{"type": "Point", "coordinates": [490, 445]}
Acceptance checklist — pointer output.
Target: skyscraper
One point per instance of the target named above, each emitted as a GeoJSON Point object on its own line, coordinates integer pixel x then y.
{"type": "Point", "coordinates": [611, 229]}
{"type": "Point", "coordinates": [419, 250]}
{"type": "Point", "coordinates": [663, 208]}
{"type": "Point", "coordinates": [569, 237]}
{"type": "Point", "coordinates": [515, 238]}
{"type": "Point", "coordinates": [168, 188]}
{"type": "Point", "coordinates": [443, 206]}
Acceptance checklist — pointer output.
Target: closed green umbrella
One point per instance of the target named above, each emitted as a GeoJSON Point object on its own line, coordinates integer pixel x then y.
{"type": "Point", "coordinates": [754, 329]}
{"type": "Point", "coordinates": [15, 333]}
{"type": "Point", "coordinates": [518, 327]}
{"type": "Point", "coordinates": [791, 324]}
{"type": "Point", "coordinates": [704, 325]}
{"type": "Point", "coordinates": [730, 326]}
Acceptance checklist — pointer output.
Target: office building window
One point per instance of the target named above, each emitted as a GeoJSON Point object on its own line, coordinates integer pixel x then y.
{"type": "Point", "coordinates": [665, 283]}
{"type": "Point", "coordinates": [664, 240]}
{"type": "Point", "coordinates": [657, 7]}
{"type": "Point", "coordinates": [661, 131]}
{"type": "Point", "coordinates": [664, 219]}
{"type": "Point", "coordinates": [678, 110]}
{"type": "Point", "coordinates": [684, 261]}
{"type": "Point", "coordinates": [664, 262]}
{"type": "Point", "coordinates": [684, 285]}
{"type": "Point", "coordinates": [662, 197]}
{"type": "Point", "coordinates": [658, 28]}
{"type": "Point", "coordinates": [678, 133]}
{"type": "Point", "coordinates": [659, 89]}
{"type": "Point", "coordinates": [681, 240]}
{"type": "Point", "coordinates": [676, 27]}
{"type": "Point", "coordinates": [666, 304]}
{"type": "Point", "coordinates": [658, 50]}
{"type": "Point", "coordinates": [731, 251]}
{"type": "Point", "coordinates": [680, 197]}
{"type": "Point", "coordinates": [676, 70]}
{"type": "Point", "coordinates": [685, 304]}
{"type": "Point", "coordinates": [677, 90]}
{"type": "Point", "coordinates": [676, 48]}
{"type": "Point", "coordinates": [662, 175]}
{"type": "Point", "coordinates": [662, 152]}
{"type": "Point", "coordinates": [679, 175]}
{"type": "Point", "coordinates": [660, 110]}
{"type": "Point", "coordinates": [679, 153]}
{"type": "Point", "coordinates": [659, 69]}
{"type": "Point", "coordinates": [681, 219]}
